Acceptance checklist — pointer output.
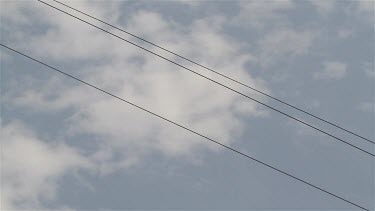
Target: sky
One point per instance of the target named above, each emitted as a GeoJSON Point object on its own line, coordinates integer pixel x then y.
{"type": "Point", "coordinates": [66, 146]}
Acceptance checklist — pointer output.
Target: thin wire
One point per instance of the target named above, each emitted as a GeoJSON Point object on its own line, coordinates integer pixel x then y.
{"type": "Point", "coordinates": [240, 93]}
{"type": "Point", "coordinates": [218, 73]}
{"type": "Point", "coordinates": [185, 128]}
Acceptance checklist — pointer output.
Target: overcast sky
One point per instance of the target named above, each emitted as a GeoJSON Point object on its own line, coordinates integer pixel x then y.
{"type": "Point", "coordinates": [67, 146]}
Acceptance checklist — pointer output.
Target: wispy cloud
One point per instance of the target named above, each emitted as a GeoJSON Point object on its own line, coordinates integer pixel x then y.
{"type": "Point", "coordinates": [31, 167]}
{"type": "Point", "coordinates": [331, 71]}
{"type": "Point", "coordinates": [284, 44]}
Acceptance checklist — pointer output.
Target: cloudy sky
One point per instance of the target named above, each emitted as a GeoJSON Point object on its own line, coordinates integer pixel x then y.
{"type": "Point", "coordinates": [65, 145]}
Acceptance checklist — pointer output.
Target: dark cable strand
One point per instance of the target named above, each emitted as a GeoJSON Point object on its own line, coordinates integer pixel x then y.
{"type": "Point", "coordinates": [186, 128]}
{"type": "Point", "coordinates": [218, 73]}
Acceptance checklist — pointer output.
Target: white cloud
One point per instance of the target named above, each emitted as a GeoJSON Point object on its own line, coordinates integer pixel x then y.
{"type": "Point", "coordinates": [369, 69]}
{"type": "Point", "coordinates": [366, 6]}
{"type": "Point", "coordinates": [366, 106]}
{"type": "Point", "coordinates": [331, 70]}
{"type": "Point", "coordinates": [284, 44]}
{"type": "Point", "coordinates": [126, 133]}
{"type": "Point", "coordinates": [323, 6]}
{"type": "Point", "coordinates": [261, 14]}
{"type": "Point", "coordinates": [345, 33]}
{"type": "Point", "coordinates": [31, 167]}
{"type": "Point", "coordinates": [363, 10]}
{"type": "Point", "coordinates": [67, 31]}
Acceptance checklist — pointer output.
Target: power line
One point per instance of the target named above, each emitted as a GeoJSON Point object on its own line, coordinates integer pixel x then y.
{"type": "Point", "coordinates": [218, 73]}
{"type": "Point", "coordinates": [190, 70]}
{"type": "Point", "coordinates": [186, 128]}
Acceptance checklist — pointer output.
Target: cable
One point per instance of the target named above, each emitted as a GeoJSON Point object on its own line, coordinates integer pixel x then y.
{"type": "Point", "coordinates": [240, 93]}
{"type": "Point", "coordinates": [185, 128]}
{"type": "Point", "coordinates": [218, 73]}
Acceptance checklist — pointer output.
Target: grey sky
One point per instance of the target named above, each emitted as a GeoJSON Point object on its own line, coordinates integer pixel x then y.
{"type": "Point", "coordinates": [67, 146]}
